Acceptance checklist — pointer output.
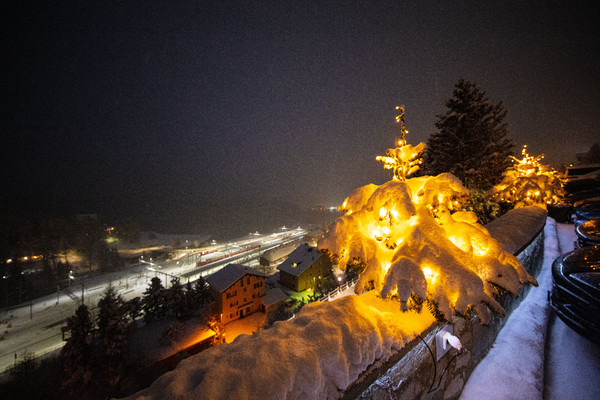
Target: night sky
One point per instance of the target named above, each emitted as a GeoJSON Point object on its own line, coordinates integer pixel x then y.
{"type": "Point", "coordinates": [187, 110]}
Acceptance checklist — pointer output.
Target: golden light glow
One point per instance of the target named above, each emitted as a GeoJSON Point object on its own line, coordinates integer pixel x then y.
{"type": "Point", "coordinates": [529, 182]}
{"type": "Point", "coordinates": [409, 233]}
{"type": "Point", "coordinates": [377, 235]}
{"type": "Point", "coordinates": [479, 250]}
{"type": "Point", "coordinates": [453, 298]}
{"type": "Point", "coordinates": [405, 159]}
{"type": "Point", "coordinates": [430, 275]}
{"type": "Point", "coordinates": [385, 267]}
{"type": "Point", "coordinates": [382, 213]}
{"type": "Point", "coordinates": [200, 336]}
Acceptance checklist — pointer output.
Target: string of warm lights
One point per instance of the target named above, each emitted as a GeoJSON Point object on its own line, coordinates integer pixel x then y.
{"type": "Point", "coordinates": [529, 182]}
{"type": "Point", "coordinates": [405, 159]}
{"type": "Point", "coordinates": [417, 245]}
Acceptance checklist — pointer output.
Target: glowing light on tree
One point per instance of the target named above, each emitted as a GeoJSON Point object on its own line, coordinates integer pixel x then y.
{"type": "Point", "coordinates": [529, 182]}
{"type": "Point", "coordinates": [404, 159]}
{"type": "Point", "coordinates": [417, 245]}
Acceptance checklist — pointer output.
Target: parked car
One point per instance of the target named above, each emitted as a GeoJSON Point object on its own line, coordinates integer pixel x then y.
{"type": "Point", "coordinates": [586, 210]}
{"type": "Point", "coordinates": [576, 290]}
{"type": "Point", "coordinates": [588, 233]}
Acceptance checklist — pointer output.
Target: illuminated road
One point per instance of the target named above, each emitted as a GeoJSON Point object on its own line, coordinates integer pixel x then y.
{"type": "Point", "coordinates": [36, 326]}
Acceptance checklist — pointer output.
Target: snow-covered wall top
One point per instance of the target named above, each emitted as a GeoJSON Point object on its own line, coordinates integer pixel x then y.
{"type": "Point", "coordinates": [316, 355]}
{"type": "Point", "coordinates": [517, 227]}
{"type": "Point", "coordinates": [322, 351]}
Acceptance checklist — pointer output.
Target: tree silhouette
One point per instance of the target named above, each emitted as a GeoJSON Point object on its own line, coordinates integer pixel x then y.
{"type": "Point", "coordinates": [471, 142]}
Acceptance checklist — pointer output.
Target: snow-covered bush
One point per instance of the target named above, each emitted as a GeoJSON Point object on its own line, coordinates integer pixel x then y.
{"type": "Point", "coordinates": [528, 182]}
{"type": "Point", "coordinates": [415, 244]}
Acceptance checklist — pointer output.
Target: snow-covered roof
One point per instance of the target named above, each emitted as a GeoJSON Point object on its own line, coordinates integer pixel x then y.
{"type": "Point", "coordinates": [300, 260]}
{"type": "Point", "coordinates": [229, 275]}
{"type": "Point", "coordinates": [273, 296]}
{"type": "Point", "coordinates": [279, 252]}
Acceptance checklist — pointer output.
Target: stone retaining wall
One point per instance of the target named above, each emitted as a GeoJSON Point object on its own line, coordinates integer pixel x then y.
{"type": "Point", "coordinates": [410, 373]}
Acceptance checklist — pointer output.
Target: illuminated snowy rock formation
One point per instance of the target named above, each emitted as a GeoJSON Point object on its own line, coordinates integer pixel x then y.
{"type": "Point", "coordinates": [529, 182]}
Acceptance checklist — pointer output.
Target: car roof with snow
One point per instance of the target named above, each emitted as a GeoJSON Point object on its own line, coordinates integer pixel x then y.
{"type": "Point", "coordinates": [229, 275]}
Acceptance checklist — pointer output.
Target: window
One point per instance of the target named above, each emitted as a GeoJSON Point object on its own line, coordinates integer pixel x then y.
{"type": "Point", "coordinates": [242, 282]}
{"type": "Point", "coordinates": [248, 281]}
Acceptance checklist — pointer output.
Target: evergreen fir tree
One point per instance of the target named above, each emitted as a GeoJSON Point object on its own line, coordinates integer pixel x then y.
{"type": "Point", "coordinates": [471, 141]}
{"type": "Point", "coordinates": [154, 301]}
{"type": "Point", "coordinates": [134, 308]}
{"type": "Point", "coordinates": [176, 301]}
{"type": "Point", "coordinates": [77, 353]}
{"type": "Point", "coordinates": [202, 292]}
{"type": "Point", "coordinates": [113, 333]}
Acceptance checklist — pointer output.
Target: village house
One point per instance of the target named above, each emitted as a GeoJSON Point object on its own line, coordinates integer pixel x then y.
{"type": "Point", "coordinates": [303, 268]}
{"type": "Point", "coordinates": [237, 291]}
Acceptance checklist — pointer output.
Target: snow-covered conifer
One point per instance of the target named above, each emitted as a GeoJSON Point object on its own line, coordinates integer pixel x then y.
{"type": "Point", "coordinates": [154, 301]}
{"type": "Point", "coordinates": [176, 300]}
{"type": "Point", "coordinates": [113, 333]}
{"type": "Point", "coordinates": [471, 142]}
{"type": "Point", "coordinates": [78, 352]}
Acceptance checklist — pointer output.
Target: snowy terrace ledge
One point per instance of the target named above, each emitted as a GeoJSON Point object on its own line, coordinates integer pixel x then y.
{"type": "Point", "coordinates": [356, 346]}
{"type": "Point", "coordinates": [409, 373]}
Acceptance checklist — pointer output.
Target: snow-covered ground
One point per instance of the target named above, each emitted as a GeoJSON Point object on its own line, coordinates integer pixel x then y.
{"type": "Point", "coordinates": [536, 355]}
{"type": "Point", "coordinates": [352, 332]}
{"type": "Point", "coordinates": [572, 362]}
{"type": "Point", "coordinates": [36, 326]}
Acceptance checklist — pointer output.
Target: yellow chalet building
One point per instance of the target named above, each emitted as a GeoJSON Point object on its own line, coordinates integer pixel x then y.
{"type": "Point", "coordinates": [237, 291]}
{"type": "Point", "coordinates": [303, 268]}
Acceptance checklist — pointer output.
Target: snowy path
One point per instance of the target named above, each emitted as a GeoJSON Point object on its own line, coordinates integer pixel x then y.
{"type": "Point", "coordinates": [535, 355]}
{"type": "Point", "coordinates": [572, 362]}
